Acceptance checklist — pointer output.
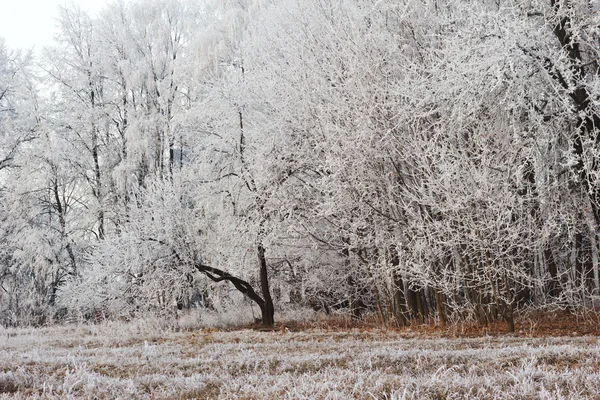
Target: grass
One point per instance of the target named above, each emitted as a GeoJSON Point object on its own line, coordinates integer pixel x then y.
{"type": "Point", "coordinates": [137, 361]}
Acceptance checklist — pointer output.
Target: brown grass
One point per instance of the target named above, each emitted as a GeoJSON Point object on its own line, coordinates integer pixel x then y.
{"type": "Point", "coordinates": [327, 358]}
{"type": "Point", "coordinates": [533, 324]}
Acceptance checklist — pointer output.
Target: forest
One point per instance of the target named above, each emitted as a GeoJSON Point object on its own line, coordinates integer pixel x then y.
{"type": "Point", "coordinates": [406, 160]}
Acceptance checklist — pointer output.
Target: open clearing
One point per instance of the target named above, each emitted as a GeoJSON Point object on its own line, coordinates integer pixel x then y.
{"type": "Point", "coordinates": [133, 361]}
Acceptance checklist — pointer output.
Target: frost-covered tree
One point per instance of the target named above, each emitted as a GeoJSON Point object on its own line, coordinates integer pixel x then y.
{"type": "Point", "coordinates": [80, 115]}
{"type": "Point", "coordinates": [410, 159]}
{"type": "Point", "coordinates": [24, 283]}
{"type": "Point", "coordinates": [157, 262]}
{"type": "Point", "coordinates": [446, 136]}
{"type": "Point", "coordinates": [17, 100]}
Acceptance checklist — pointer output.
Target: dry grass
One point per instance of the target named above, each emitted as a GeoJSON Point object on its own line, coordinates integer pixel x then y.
{"type": "Point", "coordinates": [296, 361]}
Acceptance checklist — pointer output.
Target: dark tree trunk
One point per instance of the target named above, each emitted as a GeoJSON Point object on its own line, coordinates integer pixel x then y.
{"type": "Point", "coordinates": [553, 284]}
{"type": "Point", "coordinates": [218, 275]}
{"type": "Point", "coordinates": [267, 310]}
{"type": "Point", "coordinates": [510, 318]}
{"type": "Point", "coordinates": [400, 308]}
{"type": "Point", "coordinates": [61, 211]}
{"type": "Point", "coordinates": [411, 298]}
{"type": "Point", "coordinates": [440, 307]}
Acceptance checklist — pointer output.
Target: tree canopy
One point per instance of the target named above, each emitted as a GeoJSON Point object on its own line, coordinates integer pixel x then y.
{"type": "Point", "coordinates": [409, 159]}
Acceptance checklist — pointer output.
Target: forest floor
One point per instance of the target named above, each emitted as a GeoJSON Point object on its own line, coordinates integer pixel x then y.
{"type": "Point", "coordinates": [547, 358]}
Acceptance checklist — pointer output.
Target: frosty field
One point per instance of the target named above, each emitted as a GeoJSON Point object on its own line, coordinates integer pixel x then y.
{"type": "Point", "coordinates": [133, 361]}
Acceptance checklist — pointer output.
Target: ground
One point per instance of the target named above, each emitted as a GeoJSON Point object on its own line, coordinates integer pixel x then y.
{"type": "Point", "coordinates": [136, 360]}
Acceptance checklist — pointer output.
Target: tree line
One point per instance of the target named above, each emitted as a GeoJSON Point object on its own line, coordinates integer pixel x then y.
{"type": "Point", "coordinates": [406, 159]}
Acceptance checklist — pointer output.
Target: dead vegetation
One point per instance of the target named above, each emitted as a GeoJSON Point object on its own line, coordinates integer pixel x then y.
{"type": "Point", "coordinates": [531, 324]}
{"type": "Point", "coordinates": [333, 358]}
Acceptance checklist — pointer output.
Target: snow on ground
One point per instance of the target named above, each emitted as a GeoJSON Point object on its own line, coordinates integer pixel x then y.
{"type": "Point", "coordinates": [132, 361]}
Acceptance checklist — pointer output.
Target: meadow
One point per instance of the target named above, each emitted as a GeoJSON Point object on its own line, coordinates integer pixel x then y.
{"type": "Point", "coordinates": [142, 359]}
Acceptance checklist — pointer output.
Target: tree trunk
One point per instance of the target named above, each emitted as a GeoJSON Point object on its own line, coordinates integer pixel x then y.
{"type": "Point", "coordinates": [441, 310]}
{"type": "Point", "coordinates": [554, 288]}
{"type": "Point", "coordinates": [399, 300]}
{"type": "Point", "coordinates": [411, 297]}
{"type": "Point", "coordinates": [594, 247]}
{"type": "Point", "coordinates": [61, 211]}
{"type": "Point", "coordinates": [267, 310]}
{"type": "Point", "coordinates": [510, 317]}
{"type": "Point", "coordinates": [420, 306]}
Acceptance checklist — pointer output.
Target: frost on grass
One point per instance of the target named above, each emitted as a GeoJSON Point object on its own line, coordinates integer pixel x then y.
{"type": "Point", "coordinates": [127, 361]}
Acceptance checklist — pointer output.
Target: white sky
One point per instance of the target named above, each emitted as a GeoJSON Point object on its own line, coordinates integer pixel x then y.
{"type": "Point", "coordinates": [29, 23]}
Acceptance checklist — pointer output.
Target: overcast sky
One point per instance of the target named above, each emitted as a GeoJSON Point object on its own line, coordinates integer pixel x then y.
{"type": "Point", "coordinates": [28, 23]}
